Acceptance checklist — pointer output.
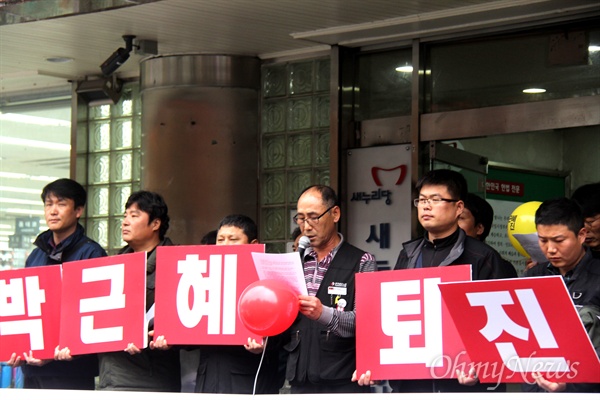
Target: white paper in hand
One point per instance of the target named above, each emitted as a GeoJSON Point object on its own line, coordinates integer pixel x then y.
{"type": "Point", "coordinates": [285, 267]}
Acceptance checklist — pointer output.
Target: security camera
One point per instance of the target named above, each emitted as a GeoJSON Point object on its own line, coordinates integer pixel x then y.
{"type": "Point", "coordinates": [118, 58]}
{"type": "Point", "coordinates": [113, 62]}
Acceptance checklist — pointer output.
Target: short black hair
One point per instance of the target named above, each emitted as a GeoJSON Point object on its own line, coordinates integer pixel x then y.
{"type": "Point", "coordinates": [209, 238]}
{"type": "Point", "coordinates": [482, 211]}
{"type": "Point", "coordinates": [561, 211]}
{"type": "Point", "coordinates": [297, 232]}
{"type": "Point", "coordinates": [454, 181]}
{"type": "Point", "coordinates": [154, 205]}
{"type": "Point", "coordinates": [588, 198]}
{"type": "Point", "coordinates": [327, 193]}
{"type": "Point", "coordinates": [66, 188]}
{"type": "Point", "coordinates": [245, 223]}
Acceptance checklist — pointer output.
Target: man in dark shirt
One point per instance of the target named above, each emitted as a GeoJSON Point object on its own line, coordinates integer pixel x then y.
{"type": "Point", "coordinates": [476, 220]}
{"type": "Point", "coordinates": [441, 202]}
{"type": "Point", "coordinates": [588, 198]}
{"type": "Point", "coordinates": [442, 194]}
{"type": "Point", "coordinates": [561, 235]}
{"type": "Point", "coordinates": [232, 369]}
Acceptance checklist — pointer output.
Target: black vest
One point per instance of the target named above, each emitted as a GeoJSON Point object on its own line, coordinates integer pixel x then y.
{"type": "Point", "coordinates": [316, 355]}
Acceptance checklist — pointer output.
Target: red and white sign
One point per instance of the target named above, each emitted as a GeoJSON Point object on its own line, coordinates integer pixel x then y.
{"type": "Point", "coordinates": [104, 304]}
{"type": "Point", "coordinates": [29, 311]}
{"type": "Point", "coordinates": [513, 327]}
{"type": "Point", "coordinates": [197, 293]}
{"type": "Point", "coordinates": [403, 329]}
{"type": "Point", "coordinates": [378, 219]}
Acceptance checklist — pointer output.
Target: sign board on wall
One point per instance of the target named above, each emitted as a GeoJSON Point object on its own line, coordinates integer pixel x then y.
{"type": "Point", "coordinates": [505, 191]}
{"type": "Point", "coordinates": [498, 237]}
{"type": "Point", "coordinates": [379, 200]}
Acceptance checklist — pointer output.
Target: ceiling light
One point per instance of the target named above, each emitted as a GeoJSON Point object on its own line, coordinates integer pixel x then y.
{"type": "Point", "coordinates": [593, 48]}
{"type": "Point", "coordinates": [405, 68]}
{"type": "Point", "coordinates": [534, 90]}
{"type": "Point", "coordinates": [59, 59]}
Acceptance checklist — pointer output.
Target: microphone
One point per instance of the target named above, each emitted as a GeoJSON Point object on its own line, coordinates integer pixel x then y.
{"type": "Point", "coordinates": [303, 243]}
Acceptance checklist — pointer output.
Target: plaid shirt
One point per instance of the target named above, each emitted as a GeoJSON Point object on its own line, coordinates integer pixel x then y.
{"type": "Point", "coordinates": [341, 323]}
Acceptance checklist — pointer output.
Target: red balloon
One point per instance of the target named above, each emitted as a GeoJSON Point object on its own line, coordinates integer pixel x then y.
{"type": "Point", "coordinates": [268, 307]}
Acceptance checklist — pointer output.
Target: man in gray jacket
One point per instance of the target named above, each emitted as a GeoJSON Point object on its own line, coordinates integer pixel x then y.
{"type": "Point", "coordinates": [144, 226]}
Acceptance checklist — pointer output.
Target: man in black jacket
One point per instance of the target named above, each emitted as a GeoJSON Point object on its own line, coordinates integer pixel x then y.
{"type": "Point", "coordinates": [232, 369]}
{"type": "Point", "coordinates": [440, 204]}
{"type": "Point", "coordinates": [322, 342]}
{"type": "Point", "coordinates": [476, 220]}
{"type": "Point", "coordinates": [144, 227]}
{"type": "Point", "coordinates": [562, 235]}
{"type": "Point", "coordinates": [65, 240]}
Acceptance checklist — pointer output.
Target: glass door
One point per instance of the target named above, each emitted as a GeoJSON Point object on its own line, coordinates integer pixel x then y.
{"type": "Point", "coordinates": [472, 166]}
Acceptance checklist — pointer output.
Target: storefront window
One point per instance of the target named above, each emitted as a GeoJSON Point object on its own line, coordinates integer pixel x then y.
{"type": "Point", "coordinates": [558, 64]}
{"type": "Point", "coordinates": [384, 85]}
{"type": "Point", "coordinates": [35, 145]}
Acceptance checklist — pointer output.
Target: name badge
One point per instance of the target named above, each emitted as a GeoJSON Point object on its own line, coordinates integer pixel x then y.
{"type": "Point", "coordinates": [342, 291]}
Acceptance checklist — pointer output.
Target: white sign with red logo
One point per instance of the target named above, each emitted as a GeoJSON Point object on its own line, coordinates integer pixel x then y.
{"type": "Point", "coordinates": [197, 293]}
{"type": "Point", "coordinates": [104, 304]}
{"type": "Point", "coordinates": [514, 327]}
{"type": "Point", "coordinates": [377, 216]}
{"type": "Point", "coordinates": [29, 311]}
{"type": "Point", "coordinates": [403, 329]}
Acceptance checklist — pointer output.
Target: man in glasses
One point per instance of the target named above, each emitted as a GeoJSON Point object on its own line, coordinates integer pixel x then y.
{"type": "Point", "coordinates": [440, 204]}
{"type": "Point", "coordinates": [322, 343]}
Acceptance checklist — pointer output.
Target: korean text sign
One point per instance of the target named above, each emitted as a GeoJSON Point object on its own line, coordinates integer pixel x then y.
{"type": "Point", "coordinates": [513, 327]}
{"type": "Point", "coordinates": [104, 304]}
{"type": "Point", "coordinates": [403, 329]}
{"type": "Point", "coordinates": [29, 311]}
{"type": "Point", "coordinates": [197, 293]}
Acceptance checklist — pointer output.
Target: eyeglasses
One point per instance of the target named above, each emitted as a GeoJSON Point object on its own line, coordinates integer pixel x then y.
{"type": "Point", "coordinates": [311, 220]}
{"type": "Point", "coordinates": [589, 222]}
{"type": "Point", "coordinates": [434, 201]}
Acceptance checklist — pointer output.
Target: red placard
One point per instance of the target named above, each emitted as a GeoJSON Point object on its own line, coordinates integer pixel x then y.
{"type": "Point", "coordinates": [513, 327]}
{"type": "Point", "coordinates": [29, 311]}
{"type": "Point", "coordinates": [403, 329]}
{"type": "Point", "coordinates": [197, 293]}
{"type": "Point", "coordinates": [104, 304]}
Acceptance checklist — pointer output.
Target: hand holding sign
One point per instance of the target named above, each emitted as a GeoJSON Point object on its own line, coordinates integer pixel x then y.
{"type": "Point", "coordinates": [268, 307]}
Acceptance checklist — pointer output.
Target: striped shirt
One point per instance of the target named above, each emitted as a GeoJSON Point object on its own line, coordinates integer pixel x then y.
{"type": "Point", "coordinates": [341, 323]}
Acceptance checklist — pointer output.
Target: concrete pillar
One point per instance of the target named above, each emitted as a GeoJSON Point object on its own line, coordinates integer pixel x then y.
{"type": "Point", "coordinates": [200, 138]}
